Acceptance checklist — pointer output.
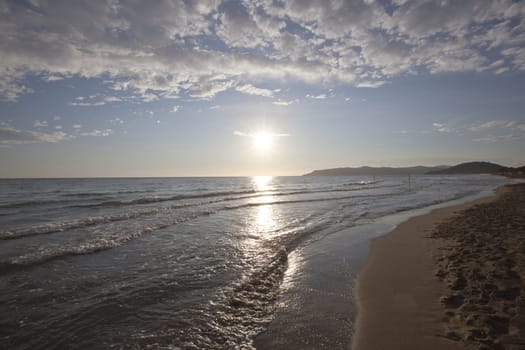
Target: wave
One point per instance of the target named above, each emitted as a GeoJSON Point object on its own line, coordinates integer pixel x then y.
{"type": "Point", "coordinates": [98, 194]}
{"type": "Point", "coordinates": [235, 314]}
{"type": "Point", "coordinates": [34, 203]}
{"type": "Point", "coordinates": [111, 240]}
{"type": "Point", "coordinates": [103, 242]}
{"type": "Point", "coordinates": [362, 183]}
{"type": "Point", "coordinates": [83, 196]}
{"type": "Point", "coordinates": [108, 237]}
{"type": "Point", "coordinates": [311, 200]}
{"type": "Point", "coordinates": [96, 220]}
{"type": "Point", "coordinates": [150, 200]}
{"type": "Point", "coordinates": [242, 310]}
{"type": "Point", "coordinates": [381, 213]}
{"type": "Point", "coordinates": [56, 227]}
{"type": "Point", "coordinates": [239, 311]}
{"type": "Point", "coordinates": [249, 193]}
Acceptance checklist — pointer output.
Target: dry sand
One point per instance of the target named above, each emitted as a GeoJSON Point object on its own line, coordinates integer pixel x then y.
{"type": "Point", "coordinates": [452, 279]}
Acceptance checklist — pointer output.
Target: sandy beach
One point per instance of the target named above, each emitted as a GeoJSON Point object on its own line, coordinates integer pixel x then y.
{"type": "Point", "coordinates": [452, 279]}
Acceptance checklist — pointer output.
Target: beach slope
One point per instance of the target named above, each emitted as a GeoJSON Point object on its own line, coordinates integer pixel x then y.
{"type": "Point", "coordinates": [452, 279]}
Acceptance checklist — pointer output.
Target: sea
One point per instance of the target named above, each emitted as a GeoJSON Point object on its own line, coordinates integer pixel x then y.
{"type": "Point", "coordinates": [197, 263]}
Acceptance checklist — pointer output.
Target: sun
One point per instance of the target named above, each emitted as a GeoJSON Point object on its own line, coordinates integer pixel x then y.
{"type": "Point", "coordinates": [262, 140]}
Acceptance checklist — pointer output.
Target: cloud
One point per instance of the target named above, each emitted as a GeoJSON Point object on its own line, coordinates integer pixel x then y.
{"type": "Point", "coordinates": [112, 99]}
{"type": "Point", "coordinates": [371, 84]}
{"type": "Point", "coordinates": [54, 78]}
{"type": "Point", "coordinates": [98, 133]}
{"type": "Point", "coordinates": [97, 100]}
{"type": "Point", "coordinates": [282, 103]}
{"type": "Point", "coordinates": [442, 127]}
{"type": "Point", "coordinates": [116, 121]}
{"type": "Point", "coordinates": [520, 127]}
{"type": "Point", "coordinates": [239, 133]}
{"type": "Point", "coordinates": [10, 81]}
{"type": "Point", "coordinates": [11, 136]}
{"type": "Point", "coordinates": [200, 48]}
{"type": "Point", "coordinates": [252, 90]}
{"type": "Point", "coordinates": [317, 97]}
{"type": "Point", "coordinates": [497, 138]}
{"type": "Point", "coordinates": [498, 124]}
{"type": "Point", "coordinates": [253, 134]}
{"type": "Point", "coordinates": [87, 104]}
{"type": "Point", "coordinates": [498, 130]}
{"type": "Point", "coordinates": [241, 25]}
{"type": "Point", "coordinates": [149, 97]}
{"type": "Point", "coordinates": [208, 89]}
{"type": "Point", "coordinates": [40, 124]}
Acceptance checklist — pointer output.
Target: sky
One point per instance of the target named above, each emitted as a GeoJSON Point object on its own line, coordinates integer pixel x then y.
{"type": "Point", "coordinates": [260, 87]}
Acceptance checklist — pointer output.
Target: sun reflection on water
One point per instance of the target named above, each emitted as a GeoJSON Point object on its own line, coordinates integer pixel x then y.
{"type": "Point", "coordinates": [264, 187]}
{"type": "Point", "coordinates": [264, 220]}
{"type": "Point", "coordinates": [262, 183]}
{"type": "Point", "coordinates": [262, 229]}
{"type": "Point", "coordinates": [266, 235]}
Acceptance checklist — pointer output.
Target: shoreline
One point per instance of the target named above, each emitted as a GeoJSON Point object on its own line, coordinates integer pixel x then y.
{"type": "Point", "coordinates": [398, 293]}
{"type": "Point", "coordinates": [318, 309]}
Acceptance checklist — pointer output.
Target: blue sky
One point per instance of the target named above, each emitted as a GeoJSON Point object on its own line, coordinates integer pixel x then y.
{"type": "Point", "coordinates": [181, 88]}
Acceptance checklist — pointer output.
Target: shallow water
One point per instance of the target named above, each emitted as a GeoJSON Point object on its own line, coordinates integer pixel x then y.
{"type": "Point", "coordinates": [191, 262]}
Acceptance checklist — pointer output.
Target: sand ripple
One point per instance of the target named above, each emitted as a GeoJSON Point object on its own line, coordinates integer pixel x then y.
{"type": "Point", "coordinates": [483, 265]}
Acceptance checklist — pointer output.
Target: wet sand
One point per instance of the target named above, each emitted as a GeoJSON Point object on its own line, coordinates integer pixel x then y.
{"type": "Point", "coordinates": [452, 279]}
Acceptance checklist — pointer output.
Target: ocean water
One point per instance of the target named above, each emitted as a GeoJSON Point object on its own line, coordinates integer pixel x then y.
{"type": "Point", "coordinates": [192, 263]}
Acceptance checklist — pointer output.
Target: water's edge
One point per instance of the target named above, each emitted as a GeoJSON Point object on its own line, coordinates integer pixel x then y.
{"type": "Point", "coordinates": [318, 308]}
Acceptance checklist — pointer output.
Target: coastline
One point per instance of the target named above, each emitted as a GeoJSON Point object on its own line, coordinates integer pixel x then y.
{"type": "Point", "coordinates": [398, 292]}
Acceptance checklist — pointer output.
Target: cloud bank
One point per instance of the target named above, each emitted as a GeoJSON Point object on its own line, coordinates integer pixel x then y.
{"type": "Point", "coordinates": [12, 136]}
{"type": "Point", "coordinates": [492, 130]}
{"type": "Point", "coordinates": [166, 48]}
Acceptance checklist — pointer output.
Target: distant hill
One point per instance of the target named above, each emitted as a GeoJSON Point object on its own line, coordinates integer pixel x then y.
{"type": "Point", "coordinates": [471, 168]}
{"type": "Point", "coordinates": [366, 170]}
{"type": "Point", "coordinates": [463, 168]}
